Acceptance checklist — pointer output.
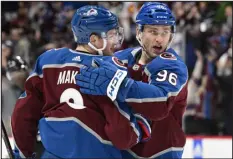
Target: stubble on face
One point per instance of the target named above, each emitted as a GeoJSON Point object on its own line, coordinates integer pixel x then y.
{"type": "Point", "coordinates": [154, 45]}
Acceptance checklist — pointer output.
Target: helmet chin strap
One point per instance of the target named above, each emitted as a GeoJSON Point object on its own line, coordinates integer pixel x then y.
{"type": "Point", "coordinates": [100, 51]}
{"type": "Point", "coordinates": [169, 44]}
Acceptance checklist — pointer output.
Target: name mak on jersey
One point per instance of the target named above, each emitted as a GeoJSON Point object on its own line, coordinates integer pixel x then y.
{"type": "Point", "coordinates": [67, 76]}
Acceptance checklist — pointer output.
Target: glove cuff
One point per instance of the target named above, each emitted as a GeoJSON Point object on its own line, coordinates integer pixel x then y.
{"type": "Point", "coordinates": [115, 83]}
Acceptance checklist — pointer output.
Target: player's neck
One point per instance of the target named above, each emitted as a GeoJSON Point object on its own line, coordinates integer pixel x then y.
{"type": "Point", "coordinates": [86, 49]}
{"type": "Point", "coordinates": [144, 59]}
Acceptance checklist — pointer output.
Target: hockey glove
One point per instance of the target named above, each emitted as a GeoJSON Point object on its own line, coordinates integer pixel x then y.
{"type": "Point", "coordinates": [104, 79]}
{"type": "Point", "coordinates": [145, 127]}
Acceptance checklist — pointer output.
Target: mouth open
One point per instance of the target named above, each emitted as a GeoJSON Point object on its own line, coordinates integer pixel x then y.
{"type": "Point", "coordinates": [157, 49]}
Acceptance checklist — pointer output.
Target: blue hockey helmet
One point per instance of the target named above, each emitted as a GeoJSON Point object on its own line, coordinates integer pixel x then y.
{"type": "Point", "coordinates": [155, 13]}
{"type": "Point", "coordinates": [92, 19]}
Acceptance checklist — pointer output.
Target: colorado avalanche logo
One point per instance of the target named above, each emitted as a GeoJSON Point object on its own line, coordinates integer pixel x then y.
{"type": "Point", "coordinates": [91, 12]}
{"type": "Point", "coordinates": [168, 56]}
{"type": "Point", "coordinates": [118, 62]}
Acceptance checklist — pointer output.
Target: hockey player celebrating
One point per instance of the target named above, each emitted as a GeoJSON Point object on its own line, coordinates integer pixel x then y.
{"type": "Point", "coordinates": [163, 99]}
{"type": "Point", "coordinates": [72, 124]}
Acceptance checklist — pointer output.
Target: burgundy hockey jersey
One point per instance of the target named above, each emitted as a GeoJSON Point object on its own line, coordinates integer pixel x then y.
{"type": "Point", "coordinates": [163, 101]}
{"type": "Point", "coordinates": [71, 124]}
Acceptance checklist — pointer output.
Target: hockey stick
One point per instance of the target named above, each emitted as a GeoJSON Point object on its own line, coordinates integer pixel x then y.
{"type": "Point", "coordinates": [7, 142]}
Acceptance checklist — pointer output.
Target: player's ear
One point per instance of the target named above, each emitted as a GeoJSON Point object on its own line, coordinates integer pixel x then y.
{"type": "Point", "coordinates": [93, 38]}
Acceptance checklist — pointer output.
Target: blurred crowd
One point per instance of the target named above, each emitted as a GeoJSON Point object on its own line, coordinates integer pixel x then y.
{"type": "Point", "coordinates": [203, 39]}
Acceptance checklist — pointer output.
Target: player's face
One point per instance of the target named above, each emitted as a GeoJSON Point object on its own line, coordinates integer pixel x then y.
{"type": "Point", "coordinates": [114, 40]}
{"type": "Point", "coordinates": [155, 39]}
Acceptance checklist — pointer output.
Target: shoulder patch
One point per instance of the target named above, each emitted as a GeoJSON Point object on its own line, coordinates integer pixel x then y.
{"type": "Point", "coordinates": [168, 56]}
{"type": "Point", "coordinates": [118, 62]}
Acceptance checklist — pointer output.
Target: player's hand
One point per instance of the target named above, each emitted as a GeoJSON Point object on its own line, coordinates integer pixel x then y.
{"type": "Point", "coordinates": [103, 79]}
{"type": "Point", "coordinates": [145, 127]}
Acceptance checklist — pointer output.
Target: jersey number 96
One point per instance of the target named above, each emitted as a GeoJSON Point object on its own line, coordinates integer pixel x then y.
{"type": "Point", "coordinates": [164, 75]}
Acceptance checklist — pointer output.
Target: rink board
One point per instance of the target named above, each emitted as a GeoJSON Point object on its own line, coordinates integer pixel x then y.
{"type": "Point", "coordinates": [195, 147]}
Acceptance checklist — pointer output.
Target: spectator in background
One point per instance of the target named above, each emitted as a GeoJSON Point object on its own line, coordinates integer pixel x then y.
{"type": "Point", "coordinates": [178, 42]}
{"type": "Point", "coordinates": [8, 95]}
{"type": "Point", "coordinates": [224, 77]}
{"type": "Point", "coordinates": [16, 72]}
{"type": "Point", "coordinates": [7, 52]}
{"type": "Point", "coordinates": [228, 14]}
{"type": "Point", "coordinates": [21, 43]}
{"type": "Point", "coordinates": [194, 88]}
{"type": "Point", "coordinates": [224, 63]}
{"type": "Point", "coordinates": [198, 118]}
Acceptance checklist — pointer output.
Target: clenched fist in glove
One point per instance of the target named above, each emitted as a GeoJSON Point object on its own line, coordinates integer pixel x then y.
{"type": "Point", "coordinates": [105, 79]}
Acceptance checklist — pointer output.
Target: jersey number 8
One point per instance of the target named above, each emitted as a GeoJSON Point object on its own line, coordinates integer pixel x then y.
{"type": "Point", "coordinates": [73, 98]}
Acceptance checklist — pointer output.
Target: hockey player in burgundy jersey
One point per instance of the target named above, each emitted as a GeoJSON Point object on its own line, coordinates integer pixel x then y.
{"type": "Point", "coordinates": [72, 124]}
{"type": "Point", "coordinates": [163, 99]}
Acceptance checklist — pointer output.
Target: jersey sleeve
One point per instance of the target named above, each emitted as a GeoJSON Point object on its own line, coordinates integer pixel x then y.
{"type": "Point", "coordinates": [27, 112]}
{"type": "Point", "coordinates": [121, 125]}
{"type": "Point", "coordinates": [167, 84]}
